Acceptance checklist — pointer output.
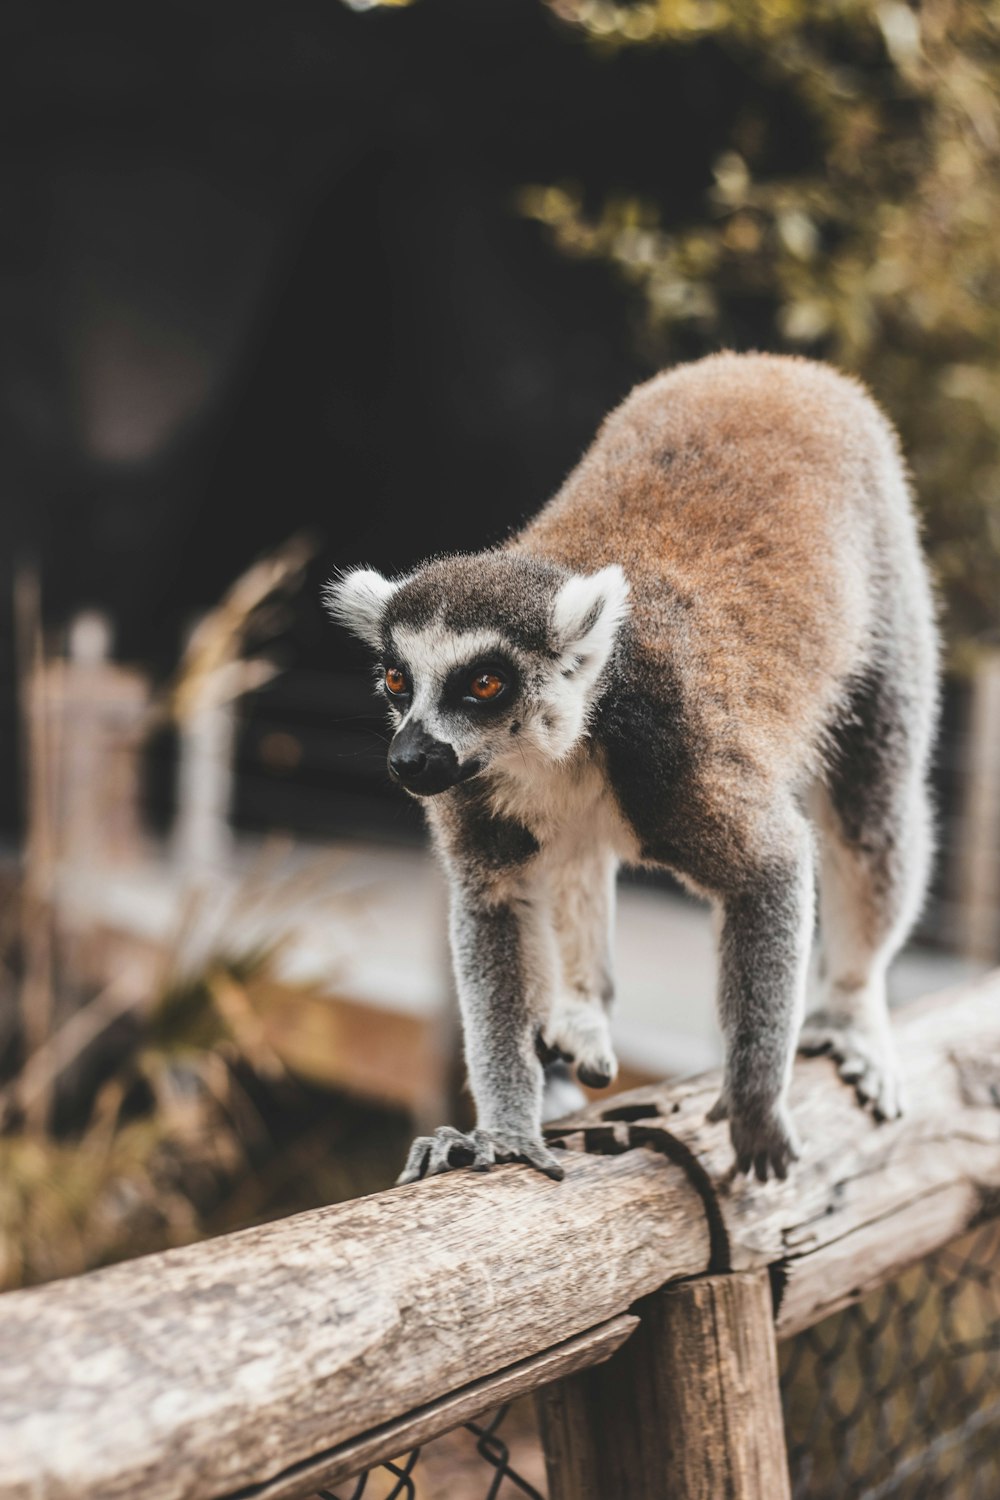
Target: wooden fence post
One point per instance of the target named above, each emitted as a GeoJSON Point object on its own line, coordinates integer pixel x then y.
{"type": "Point", "coordinates": [979, 823]}
{"type": "Point", "coordinates": [689, 1408]}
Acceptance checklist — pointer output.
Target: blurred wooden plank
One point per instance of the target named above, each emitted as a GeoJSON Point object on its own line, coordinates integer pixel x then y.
{"type": "Point", "coordinates": [329, 1039]}
{"type": "Point", "coordinates": [979, 844]}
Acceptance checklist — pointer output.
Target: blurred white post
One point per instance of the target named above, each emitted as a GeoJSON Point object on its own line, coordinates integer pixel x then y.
{"type": "Point", "coordinates": [88, 718]}
{"type": "Point", "coordinates": [203, 836]}
{"type": "Point", "coordinates": [102, 710]}
{"type": "Point", "coordinates": [979, 894]}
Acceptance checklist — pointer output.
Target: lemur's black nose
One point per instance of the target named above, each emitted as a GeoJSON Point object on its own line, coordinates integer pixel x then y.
{"type": "Point", "coordinates": [421, 763]}
{"type": "Point", "coordinates": [406, 761]}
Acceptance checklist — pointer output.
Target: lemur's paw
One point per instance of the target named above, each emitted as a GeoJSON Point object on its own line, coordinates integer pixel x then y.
{"type": "Point", "coordinates": [765, 1145]}
{"type": "Point", "coordinates": [444, 1151]}
{"type": "Point", "coordinates": [448, 1149]}
{"type": "Point", "coordinates": [577, 1032]}
{"type": "Point", "coordinates": [863, 1057]}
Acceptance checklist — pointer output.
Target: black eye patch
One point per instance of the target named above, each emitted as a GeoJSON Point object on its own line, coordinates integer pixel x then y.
{"type": "Point", "coordinates": [457, 692]}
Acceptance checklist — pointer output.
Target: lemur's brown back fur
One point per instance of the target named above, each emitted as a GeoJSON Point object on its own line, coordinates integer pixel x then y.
{"type": "Point", "coordinates": [755, 504]}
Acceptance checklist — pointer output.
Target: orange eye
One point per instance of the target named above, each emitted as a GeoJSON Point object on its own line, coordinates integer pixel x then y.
{"type": "Point", "coordinates": [486, 685]}
{"type": "Point", "coordinates": [396, 682]}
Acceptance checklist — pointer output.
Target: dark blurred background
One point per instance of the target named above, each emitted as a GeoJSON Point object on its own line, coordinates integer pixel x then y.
{"type": "Point", "coordinates": [286, 288]}
{"type": "Point", "coordinates": [265, 271]}
{"type": "Point", "coordinates": [269, 268]}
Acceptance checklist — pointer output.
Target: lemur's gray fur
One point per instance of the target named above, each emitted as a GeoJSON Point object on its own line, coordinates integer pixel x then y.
{"type": "Point", "coordinates": [715, 652]}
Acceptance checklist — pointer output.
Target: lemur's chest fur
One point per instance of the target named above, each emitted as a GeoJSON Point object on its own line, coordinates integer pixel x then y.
{"type": "Point", "coordinates": [566, 806]}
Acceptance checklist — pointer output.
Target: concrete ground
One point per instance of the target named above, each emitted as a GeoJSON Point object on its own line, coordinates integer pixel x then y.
{"type": "Point", "coordinates": [369, 922]}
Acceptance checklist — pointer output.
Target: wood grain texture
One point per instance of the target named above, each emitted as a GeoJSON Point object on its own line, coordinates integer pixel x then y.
{"type": "Point", "coordinates": [689, 1409]}
{"type": "Point", "coordinates": [472, 1401]}
{"type": "Point", "coordinates": [207, 1370]}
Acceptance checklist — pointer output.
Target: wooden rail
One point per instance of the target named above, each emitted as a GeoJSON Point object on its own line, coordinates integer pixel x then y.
{"type": "Point", "coordinates": [267, 1363]}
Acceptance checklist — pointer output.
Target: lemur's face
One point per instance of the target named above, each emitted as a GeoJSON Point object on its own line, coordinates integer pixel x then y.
{"type": "Point", "coordinates": [483, 660]}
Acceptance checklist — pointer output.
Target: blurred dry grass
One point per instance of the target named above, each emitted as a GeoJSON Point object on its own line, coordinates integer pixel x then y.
{"type": "Point", "coordinates": [204, 1120]}
{"type": "Point", "coordinates": [163, 1106]}
{"type": "Point", "coordinates": [215, 666]}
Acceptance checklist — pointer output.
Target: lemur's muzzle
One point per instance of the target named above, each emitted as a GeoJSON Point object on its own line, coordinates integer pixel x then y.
{"type": "Point", "coordinates": [423, 764]}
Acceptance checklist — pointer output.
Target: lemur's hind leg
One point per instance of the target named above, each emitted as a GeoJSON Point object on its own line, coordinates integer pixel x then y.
{"type": "Point", "coordinates": [582, 893]}
{"type": "Point", "coordinates": [874, 822]}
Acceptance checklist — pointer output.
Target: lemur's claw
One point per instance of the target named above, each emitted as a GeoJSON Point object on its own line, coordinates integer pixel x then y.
{"type": "Point", "coordinates": [863, 1058]}
{"type": "Point", "coordinates": [765, 1146]}
{"type": "Point", "coordinates": [431, 1154]}
{"type": "Point", "coordinates": [449, 1149]}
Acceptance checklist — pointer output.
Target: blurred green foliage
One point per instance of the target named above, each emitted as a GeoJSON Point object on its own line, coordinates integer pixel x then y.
{"type": "Point", "coordinates": [883, 256]}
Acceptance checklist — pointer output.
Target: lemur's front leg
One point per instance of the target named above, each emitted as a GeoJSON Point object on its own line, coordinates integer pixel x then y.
{"type": "Point", "coordinates": [766, 933]}
{"type": "Point", "coordinates": [502, 949]}
{"type": "Point", "coordinates": [582, 891]}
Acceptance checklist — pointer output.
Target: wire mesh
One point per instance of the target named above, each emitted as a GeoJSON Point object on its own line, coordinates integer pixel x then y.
{"type": "Point", "coordinates": [898, 1397]}
{"type": "Point", "coordinates": [486, 1472]}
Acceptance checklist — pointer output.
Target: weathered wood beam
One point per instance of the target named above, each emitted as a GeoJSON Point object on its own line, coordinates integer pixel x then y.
{"type": "Point", "coordinates": [213, 1371]}
{"type": "Point", "coordinates": [866, 1198]}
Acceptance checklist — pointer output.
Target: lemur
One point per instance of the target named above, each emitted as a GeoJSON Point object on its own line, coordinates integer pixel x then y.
{"type": "Point", "coordinates": [713, 651]}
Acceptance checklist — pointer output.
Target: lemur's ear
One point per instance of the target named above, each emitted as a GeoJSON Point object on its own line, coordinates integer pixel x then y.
{"type": "Point", "coordinates": [358, 599]}
{"type": "Point", "coordinates": [586, 616]}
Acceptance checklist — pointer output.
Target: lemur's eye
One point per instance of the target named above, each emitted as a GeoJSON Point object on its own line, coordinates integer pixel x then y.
{"type": "Point", "coordinates": [486, 685]}
{"type": "Point", "coordinates": [396, 681]}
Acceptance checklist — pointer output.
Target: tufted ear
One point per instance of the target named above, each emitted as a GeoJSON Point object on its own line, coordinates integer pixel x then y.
{"type": "Point", "coordinates": [585, 618]}
{"type": "Point", "coordinates": [358, 599]}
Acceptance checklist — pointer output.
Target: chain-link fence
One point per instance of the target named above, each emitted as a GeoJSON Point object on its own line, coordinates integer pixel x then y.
{"type": "Point", "coordinates": [898, 1397]}
{"type": "Point", "coordinates": [894, 1398]}
{"type": "Point", "coordinates": [477, 1461]}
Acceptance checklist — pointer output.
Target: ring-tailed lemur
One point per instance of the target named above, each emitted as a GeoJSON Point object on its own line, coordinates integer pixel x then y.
{"type": "Point", "coordinates": [714, 650]}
